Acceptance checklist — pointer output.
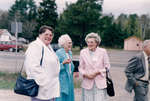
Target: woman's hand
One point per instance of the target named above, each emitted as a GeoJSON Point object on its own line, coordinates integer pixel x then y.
{"type": "Point", "coordinates": [92, 76]}
{"type": "Point", "coordinates": [97, 73]}
{"type": "Point", "coordinates": [67, 61]}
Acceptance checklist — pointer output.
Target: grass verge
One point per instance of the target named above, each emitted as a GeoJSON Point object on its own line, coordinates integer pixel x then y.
{"type": "Point", "coordinates": [7, 80]}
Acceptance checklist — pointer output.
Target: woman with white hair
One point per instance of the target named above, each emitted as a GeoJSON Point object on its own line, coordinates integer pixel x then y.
{"type": "Point", "coordinates": [93, 61]}
{"type": "Point", "coordinates": [66, 69]}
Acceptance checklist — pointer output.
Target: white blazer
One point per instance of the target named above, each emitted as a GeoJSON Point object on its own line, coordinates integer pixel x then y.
{"type": "Point", "coordinates": [47, 75]}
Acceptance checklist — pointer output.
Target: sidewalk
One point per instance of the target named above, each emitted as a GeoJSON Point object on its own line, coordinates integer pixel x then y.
{"type": "Point", "coordinates": [9, 95]}
{"type": "Point", "coordinates": [117, 76]}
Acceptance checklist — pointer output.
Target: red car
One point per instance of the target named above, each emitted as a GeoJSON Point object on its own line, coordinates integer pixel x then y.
{"type": "Point", "coordinates": [10, 46]}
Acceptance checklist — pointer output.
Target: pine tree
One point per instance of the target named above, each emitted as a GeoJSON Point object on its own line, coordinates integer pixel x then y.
{"type": "Point", "coordinates": [24, 11]}
{"type": "Point", "coordinates": [80, 19]}
{"type": "Point", "coordinates": [47, 14]}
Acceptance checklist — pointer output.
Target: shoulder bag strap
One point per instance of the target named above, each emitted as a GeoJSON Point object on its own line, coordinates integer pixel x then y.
{"type": "Point", "coordinates": [108, 73]}
{"type": "Point", "coordinates": [40, 61]}
{"type": "Point", "coordinates": [42, 56]}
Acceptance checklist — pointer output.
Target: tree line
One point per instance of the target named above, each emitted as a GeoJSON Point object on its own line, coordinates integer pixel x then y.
{"type": "Point", "coordinates": [78, 19]}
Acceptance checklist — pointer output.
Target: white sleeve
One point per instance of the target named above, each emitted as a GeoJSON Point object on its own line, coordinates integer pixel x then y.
{"type": "Point", "coordinates": [32, 65]}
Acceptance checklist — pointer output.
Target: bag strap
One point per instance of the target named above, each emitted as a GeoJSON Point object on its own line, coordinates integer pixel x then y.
{"type": "Point", "coordinates": [41, 61]}
{"type": "Point", "coordinates": [42, 56]}
{"type": "Point", "coordinates": [108, 73]}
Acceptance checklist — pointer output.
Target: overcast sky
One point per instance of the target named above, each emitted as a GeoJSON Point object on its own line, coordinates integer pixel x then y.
{"type": "Point", "coordinates": [115, 7]}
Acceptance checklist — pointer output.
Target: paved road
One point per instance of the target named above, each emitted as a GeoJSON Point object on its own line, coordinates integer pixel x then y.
{"type": "Point", "coordinates": [11, 62]}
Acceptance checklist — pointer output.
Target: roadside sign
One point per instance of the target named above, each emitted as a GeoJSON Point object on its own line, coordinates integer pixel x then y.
{"type": "Point", "coordinates": [16, 27]}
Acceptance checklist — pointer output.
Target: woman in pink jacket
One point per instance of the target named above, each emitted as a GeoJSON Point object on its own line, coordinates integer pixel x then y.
{"type": "Point", "coordinates": [93, 61]}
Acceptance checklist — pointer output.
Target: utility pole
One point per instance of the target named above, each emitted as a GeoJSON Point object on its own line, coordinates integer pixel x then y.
{"type": "Point", "coordinates": [16, 35]}
{"type": "Point", "coordinates": [16, 27]}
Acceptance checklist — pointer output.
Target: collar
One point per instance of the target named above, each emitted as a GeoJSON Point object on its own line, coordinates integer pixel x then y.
{"type": "Point", "coordinates": [145, 55]}
{"type": "Point", "coordinates": [42, 43]}
{"type": "Point", "coordinates": [92, 51]}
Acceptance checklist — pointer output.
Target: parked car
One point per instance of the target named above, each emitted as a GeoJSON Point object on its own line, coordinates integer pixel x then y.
{"type": "Point", "coordinates": [10, 46]}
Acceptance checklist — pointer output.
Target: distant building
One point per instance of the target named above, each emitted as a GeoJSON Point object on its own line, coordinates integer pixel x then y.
{"type": "Point", "coordinates": [133, 43]}
{"type": "Point", "coordinates": [6, 36]}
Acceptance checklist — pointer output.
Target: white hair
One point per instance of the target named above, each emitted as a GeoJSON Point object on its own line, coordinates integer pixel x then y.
{"type": "Point", "coordinates": [95, 36]}
{"type": "Point", "coordinates": [63, 40]}
{"type": "Point", "coordinates": [145, 43]}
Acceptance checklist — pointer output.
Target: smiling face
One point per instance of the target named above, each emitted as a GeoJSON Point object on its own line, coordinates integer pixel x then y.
{"type": "Point", "coordinates": [46, 37]}
{"type": "Point", "coordinates": [68, 45]}
{"type": "Point", "coordinates": [91, 43]}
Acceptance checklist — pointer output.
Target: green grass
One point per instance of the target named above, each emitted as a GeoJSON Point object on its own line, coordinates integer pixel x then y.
{"type": "Point", "coordinates": [7, 80]}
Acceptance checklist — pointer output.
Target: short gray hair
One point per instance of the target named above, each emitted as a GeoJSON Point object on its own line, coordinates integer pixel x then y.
{"type": "Point", "coordinates": [95, 36]}
{"type": "Point", "coordinates": [145, 43]}
{"type": "Point", "coordinates": [63, 39]}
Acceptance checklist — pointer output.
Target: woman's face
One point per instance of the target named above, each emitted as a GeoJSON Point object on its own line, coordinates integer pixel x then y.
{"type": "Point", "coordinates": [68, 45]}
{"type": "Point", "coordinates": [91, 43]}
{"type": "Point", "coordinates": [46, 37]}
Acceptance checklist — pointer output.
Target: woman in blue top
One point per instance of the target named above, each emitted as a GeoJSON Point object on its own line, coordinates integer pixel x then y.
{"type": "Point", "coordinates": [66, 69]}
